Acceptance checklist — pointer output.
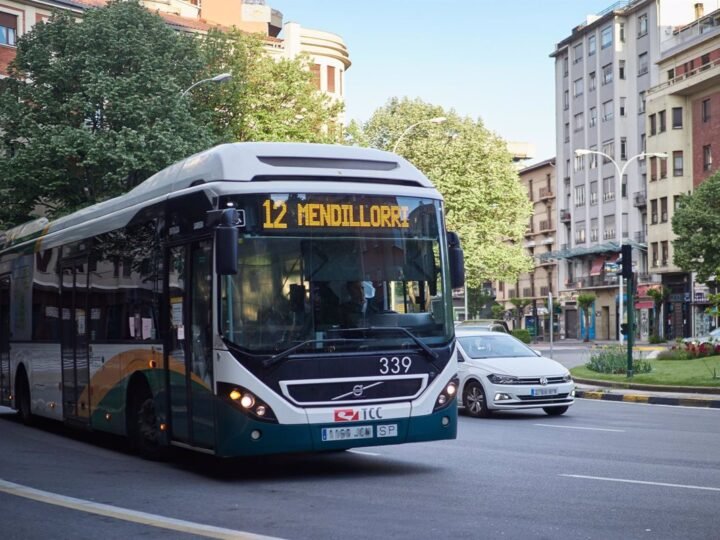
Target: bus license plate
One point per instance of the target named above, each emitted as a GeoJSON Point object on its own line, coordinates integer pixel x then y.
{"type": "Point", "coordinates": [543, 391]}
{"type": "Point", "coordinates": [347, 433]}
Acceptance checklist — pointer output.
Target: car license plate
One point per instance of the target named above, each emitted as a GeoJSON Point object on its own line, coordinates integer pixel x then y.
{"type": "Point", "coordinates": [347, 433]}
{"type": "Point", "coordinates": [543, 391]}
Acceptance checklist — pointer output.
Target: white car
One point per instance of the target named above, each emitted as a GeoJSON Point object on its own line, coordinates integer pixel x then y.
{"type": "Point", "coordinates": [499, 372]}
{"type": "Point", "coordinates": [711, 337]}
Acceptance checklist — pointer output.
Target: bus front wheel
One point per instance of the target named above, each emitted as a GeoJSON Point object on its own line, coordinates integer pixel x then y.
{"type": "Point", "coordinates": [143, 424]}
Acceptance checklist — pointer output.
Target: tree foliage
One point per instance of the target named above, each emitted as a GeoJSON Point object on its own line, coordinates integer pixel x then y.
{"type": "Point", "coordinates": [267, 99]}
{"type": "Point", "coordinates": [485, 202]}
{"type": "Point", "coordinates": [585, 302]}
{"type": "Point", "coordinates": [93, 108]}
{"type": "Point", "coordinates": [697, 225]}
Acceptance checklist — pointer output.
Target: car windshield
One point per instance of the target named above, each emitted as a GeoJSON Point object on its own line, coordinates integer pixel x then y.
{"type": "Point", "coordinates": [495, 345]}
{"type": "Point", "coordinates": [319, 285]}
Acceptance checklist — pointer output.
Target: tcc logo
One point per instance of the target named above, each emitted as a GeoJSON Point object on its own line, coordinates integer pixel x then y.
{"type": "Point", "coordinates": [353, 415]}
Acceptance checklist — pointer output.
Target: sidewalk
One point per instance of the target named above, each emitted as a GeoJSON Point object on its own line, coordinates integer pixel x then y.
{"type": "Point", "coordinates": [708, 397]}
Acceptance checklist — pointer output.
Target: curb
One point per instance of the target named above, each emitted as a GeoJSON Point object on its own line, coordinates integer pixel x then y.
{"type": "Point", "coordinates": [653, 400]}
{"type": "Point", "coordinates": [649, 387]}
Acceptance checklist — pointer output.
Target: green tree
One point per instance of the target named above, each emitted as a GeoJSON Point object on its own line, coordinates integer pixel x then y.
{"type": "Point", "coordinates": [498, 311]}
{"type": "Point", "coordinates": [519, 309]}
{"type": "Point", "coordinates": [659, 295]}
{"type": "Point", "coordinates": [485, 202]}
{"type": "Point", "coordinates": [267, 99]}
{"type": "Point", "coordinates": [93, 108]}
{"type": "Point", "coordinates": [697, 225]}
{"type": "Point", "coordinates": [480, 302]}
{"type": "Point", "coordinates": [585, 302]}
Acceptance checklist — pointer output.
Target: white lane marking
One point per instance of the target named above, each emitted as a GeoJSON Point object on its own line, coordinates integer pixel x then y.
{"type": "Point", "coordinates": [685, 486]}
{"type": "Point", "coordinates": [585, 428]}
{"type": "Point", "coordinates": [125, 514]}
{"type": "Point", "coordinates": [363, 453]}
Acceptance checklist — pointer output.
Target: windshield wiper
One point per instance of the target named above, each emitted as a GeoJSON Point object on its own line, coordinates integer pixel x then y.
{"type": "Point", "coordinates": [419, 342]}
{"type": "Point", "coordinates": [287, 352]}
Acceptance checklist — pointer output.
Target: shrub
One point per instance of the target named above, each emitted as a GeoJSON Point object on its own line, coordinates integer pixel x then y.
{"type": "Point", "coordinates": [656, 339]}
{"type": "Point", "coordinates": [522, 334]}
{"type": "Point", "coordinates": [613, 359]}
{"type": "Point", "coordinates": [673, 354]}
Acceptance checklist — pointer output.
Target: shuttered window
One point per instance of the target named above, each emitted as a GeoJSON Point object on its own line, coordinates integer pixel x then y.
{"type": "Point", "coordinates": [8, 28]}
{"type": "Point", "coordinates": [331, 79]}
{"type": "Point", "coordinates": [315, 70]}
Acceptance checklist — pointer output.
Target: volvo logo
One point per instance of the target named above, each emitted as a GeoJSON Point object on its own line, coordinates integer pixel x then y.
{"type": "Point", "coordinates": [357, 391]}
{"type": "Point", "coordinates": [543, 380]}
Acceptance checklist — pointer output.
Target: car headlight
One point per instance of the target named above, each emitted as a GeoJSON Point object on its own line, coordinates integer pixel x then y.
{"type": "Point", "coordinates": [502, 379]}
{"type": "Point", "coordinates": [567, 378]}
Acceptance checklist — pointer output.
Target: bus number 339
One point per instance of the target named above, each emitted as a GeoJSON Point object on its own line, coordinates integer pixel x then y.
{"type": "Point", "coordinates": [395, 365]}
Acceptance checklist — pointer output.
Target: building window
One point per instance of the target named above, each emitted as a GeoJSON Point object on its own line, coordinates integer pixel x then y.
{"type": "Point", "coordinates": [593, 158]}
{"type": "Point", "coordinates": [594, 229]}
{"type": "Point", "coordinates": [671, 74]}
{"type": "Point", "coordinates": [591, 45]}
{"type": "Point", "coordinates": [567, 131]}
{"type": "Point", "coordinates": [676, 201]}
{"type": "Point", "coordinates": [663, 167]}
{"type": "Point", "coordinates": [8, 29]}
{"type": "Point", "coordinates": [707, 158]}
{"type": "Point", "coordinates": [653, 168]}
{"type": "Point", "coordinates": [623, 148]}
{"type": "Point", "coordinates": [662, 126]}
{"type": "Point", "coordinates": [621, 31]}
{"type": "Point", "coordinates": [592, 83]}
{"type": "Point", "coordinates": [609, 188]}
{"type": "Point", "coordinates": [607, 111]}
{"type": "Point", "coordinates": [566, 100]}
{"type": "Point", "coordinates": [641, 102]}
{"type": "Point", "coordinates": [607, 74]}
{"type": "Point", "coordinates": [653, 125]}
{"type": "Point", "coordinates": [315, 71]}
{"type": "Point", "coordinates": [706, 110]}
{"type": "Point", "coordinates": [622, 106]}
{"type": "Point", "coordinates": [621, 69]}
{"type": "Point", "coordinates": [623, 187]}
{"type": "Point", "coordinates": [593, 193]}
{"type": "Point", "coordinates": [580, 232]}
{"type": "Point", "coordinates": [642, 63]}
{"type": "Point", "coordinates": [642, 25]}
{"type": "Point", "coordinates": [579, 163]}
{"type": "Point", "coordinates": [606, 37]}
{"type": "Point", "coordinates": [704, 60]}
{"type": "Point", "coordinates": [643, 142]}
{"type": "Point", "coordinates": [593, 116]}
{"type": "Point", "coordinates": [608, 147]}
{"type": "Point", "coordinates": [653, 212]}
{"type": "Point", "coordinates": [677, 118]}
{"type": "Point", "coordinates": [577, 53]}
{"type": "Point", "coordinates": [665, 255]}
{"type": "Point", "coordinates": [331, 79]}
{"type": "Point", "coordinates": [578, 87]}
{"type": "Point", "coordinates": [609, 227]}
{"type": "Point", "coordinates": [579, 122]}
{"type": "Point", "coordinates": [654, 250]}
{"type": "Point", "coordinates": [663, 210]}
{"type": "Point", "coordinates": [579, 195]}
{"type": "Point", "coordinates": [678, 163]}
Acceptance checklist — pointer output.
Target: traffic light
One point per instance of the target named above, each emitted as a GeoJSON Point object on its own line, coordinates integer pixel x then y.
{"type": "Point", "coordinates": [626, 254]}
{"type": "Point", "coordinates": [623, 329]}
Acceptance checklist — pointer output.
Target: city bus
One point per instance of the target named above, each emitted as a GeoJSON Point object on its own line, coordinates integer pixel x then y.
{"type": "Point", "coordinates": [254, 298]}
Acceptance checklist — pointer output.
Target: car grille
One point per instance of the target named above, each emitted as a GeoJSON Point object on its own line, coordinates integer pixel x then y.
{"type": "Point", "coordinates": [536, 380]}
{"type": "Point", "coordinates": [357, 390]}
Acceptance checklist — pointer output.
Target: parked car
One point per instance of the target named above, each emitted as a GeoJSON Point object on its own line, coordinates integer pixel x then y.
{"type": "Point", "coordinates": [494, 325]}
{"type": "Point", "coordinates": [499, 372]}
{"type": "Point", "coordinates": [712, 336]}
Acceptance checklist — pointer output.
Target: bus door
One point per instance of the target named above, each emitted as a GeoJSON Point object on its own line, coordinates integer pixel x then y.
{"type": "Point", "coordinates": [5, 375]}
{"type": "Point", "coordinates": [190, 279]}
{"type": "Point", "coordinates": [74, 341]}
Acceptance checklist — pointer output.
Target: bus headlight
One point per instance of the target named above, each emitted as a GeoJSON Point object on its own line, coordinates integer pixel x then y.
{"type": "Point", "coordinates": [246, 401]}
{"type": "Point", "coordinates": [447, 396]}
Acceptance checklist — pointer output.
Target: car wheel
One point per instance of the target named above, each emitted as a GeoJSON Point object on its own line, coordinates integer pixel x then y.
{"type": "Point", "coordinates": [474, 400]}
{"type": "Point", "coordinates": [555, 411]}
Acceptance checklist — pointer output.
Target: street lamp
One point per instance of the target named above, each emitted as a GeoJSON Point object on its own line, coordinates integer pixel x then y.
{"type": "Point", "coordinates": [618, 222]}
{"type": "Point", "coordinates": [223, 77]}
{"type": "Point", "coordinates": [438, 120]}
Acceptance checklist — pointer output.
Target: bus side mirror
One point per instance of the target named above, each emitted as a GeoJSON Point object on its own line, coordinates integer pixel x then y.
{"type": "Point", "coordinates": [226, 243]}
{"type": "Point", "coordinates": [457, 261]}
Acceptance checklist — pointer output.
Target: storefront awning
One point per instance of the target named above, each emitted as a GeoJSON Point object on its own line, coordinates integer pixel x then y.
{"type": "Point", "coordinates": [597, 266]}
{"type": "Point", "coordinates": [644, 304]}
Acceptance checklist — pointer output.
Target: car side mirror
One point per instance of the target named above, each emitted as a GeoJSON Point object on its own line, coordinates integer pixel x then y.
{"type": "Point", "coordinates": [537, 353]}
{"type": "Point", "coordinates": [456, 260]}
{"type": "Point", "coordinates": [226, 243]}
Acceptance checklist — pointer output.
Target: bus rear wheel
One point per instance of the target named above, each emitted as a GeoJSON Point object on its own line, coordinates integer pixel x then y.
{"type": "Point", "coordinates": [143, 424]}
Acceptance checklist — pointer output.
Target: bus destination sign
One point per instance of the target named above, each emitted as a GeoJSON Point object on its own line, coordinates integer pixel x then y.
{"type": "Point", "coordinates": [299, 214]}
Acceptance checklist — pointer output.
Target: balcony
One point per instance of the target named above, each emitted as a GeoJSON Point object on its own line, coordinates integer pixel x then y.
{"type": "Point", "coordinates": [565, 216]}
{"type": "Point", "coordinates": [640, 199]}
{"type": "Point", "coordinates": [584, 282]}
{"type": "Point", "coordinates": [545, 193]}
{"type": "Point", "coordinates": [546, 225]}
{"type": "Point", "coordinates": [609, 234]}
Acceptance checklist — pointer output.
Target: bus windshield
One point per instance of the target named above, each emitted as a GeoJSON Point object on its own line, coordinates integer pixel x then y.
{"type": "Point", "coordinates": [375, 263]}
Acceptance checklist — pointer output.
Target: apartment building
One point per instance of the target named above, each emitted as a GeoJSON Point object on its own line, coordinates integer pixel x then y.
{"type": "Point", "coordinates": [683, 121]}
{"type": "Point", "coordinates": [534, 286]}
{"type": "Point", "coordinates": [327, 51]}
{"type": "Point", "coordinates": [603, 72]}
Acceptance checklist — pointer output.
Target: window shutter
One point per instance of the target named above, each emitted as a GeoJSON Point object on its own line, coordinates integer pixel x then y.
{"type": "Point", "coordinates": [8, 21]}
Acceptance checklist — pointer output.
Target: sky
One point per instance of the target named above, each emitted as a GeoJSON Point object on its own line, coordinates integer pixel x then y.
{"type": "Point", "coordinates": [486, 59]}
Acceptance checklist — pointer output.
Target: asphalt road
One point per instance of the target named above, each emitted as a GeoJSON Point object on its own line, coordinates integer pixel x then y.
{"type": "Point", "coordinates": [604, 470]}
